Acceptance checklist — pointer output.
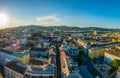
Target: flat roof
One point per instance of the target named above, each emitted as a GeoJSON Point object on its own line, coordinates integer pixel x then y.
{"type": "Point", "coordinates": [20, 54]}
{"type": "Point", "coordinates": [6, 51]}
{"type": "Point", "coordinates": [49, 69]}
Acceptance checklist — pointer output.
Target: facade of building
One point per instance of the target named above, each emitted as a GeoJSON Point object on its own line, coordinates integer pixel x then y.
{"type": "Point", "coordinates": [96, 52]}
{"type": "Point", "coordinates": [111, 55]}
{"type": "Point", "coordinates": [118, 73]}
{"type": "Point", "coordinates": [20, 70]}
{"type": "Point", "coordinates": [6, 56]}
{"type": "Point", "coordinates": [64, 66]}
{"type": "Point", "coordinates": [46, 71]}
{"type": "Point", "coordinates": [14, 70]}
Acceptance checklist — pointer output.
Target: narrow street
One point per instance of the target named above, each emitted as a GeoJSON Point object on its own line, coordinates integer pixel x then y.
{"type": "Point", "coordinates": [58, 62]}
{"type": "Point", "coordinates": [91, 68]}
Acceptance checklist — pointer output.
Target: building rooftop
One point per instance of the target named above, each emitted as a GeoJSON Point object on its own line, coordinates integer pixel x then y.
{"type": "Point", "coordinates": [113, 52]}
{"type": "Point", "coordinates": [37, 62]}
{"type": "Point", "coordinates": [62, 54]}
{"type": "Point", "coordinates": [6, 51]}
{"type": "Point", "coordinates": [3, 45]}
{"type": "Point", "coordinates": [17, 66]}
{"type": "Point", "coordinates": [20, 54]}
{"type": "Point", "coordinates": [74, 76]}
{"type": "Point", "coordinates": [39, 49]}
{"type": "Point", "coordinates": [22, 48]}
{"type": "Point", "coordinates": [48, 69]}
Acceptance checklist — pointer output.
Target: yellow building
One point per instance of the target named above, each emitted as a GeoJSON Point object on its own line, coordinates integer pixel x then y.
{"type": "Point", "coordinates": [117, 47]}
{"type": "Point", "coordinates": [96, 52]}
{"type": "Point", "coordinates": [118, 39]}
{"type": "Point", "coordinates": [81, 42]}
{"type": "Point", "coordinates": [1, 76]}
{"type": "Point", "coordinates": [113, 39]}
{"type": "Point", "coordinates": [111, 54]}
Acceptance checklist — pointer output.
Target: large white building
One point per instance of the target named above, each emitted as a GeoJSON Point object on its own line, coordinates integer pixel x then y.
{"type": "Point", "coordinates": [14, 70]}
{"type": "Point", "coordinates": [6, 56]}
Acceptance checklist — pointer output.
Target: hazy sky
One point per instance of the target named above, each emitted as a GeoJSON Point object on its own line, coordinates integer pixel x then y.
{"type": "Point", "coordinates": [101, 13]}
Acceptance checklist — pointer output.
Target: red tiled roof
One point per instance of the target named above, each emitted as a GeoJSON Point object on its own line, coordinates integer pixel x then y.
{"type": "Point", "coordinates": [62, 54]}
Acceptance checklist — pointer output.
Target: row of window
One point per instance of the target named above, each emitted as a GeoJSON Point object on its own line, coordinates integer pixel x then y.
{"type": "Point", "coordinates": [11, 74]}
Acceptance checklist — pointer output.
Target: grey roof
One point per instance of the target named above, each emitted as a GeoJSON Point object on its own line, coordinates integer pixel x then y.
{"type": "Point", "coordinates": [6, 51]}
{"type": "Point", "coordinates": [16, 67]}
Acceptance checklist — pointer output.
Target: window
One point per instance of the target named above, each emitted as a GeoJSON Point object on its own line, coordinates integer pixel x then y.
{"type": "Point", "coordinates": [20, 76]}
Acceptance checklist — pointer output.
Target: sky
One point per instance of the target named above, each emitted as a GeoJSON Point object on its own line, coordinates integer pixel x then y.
{"type": "Point", "coordinates": [82, 13]}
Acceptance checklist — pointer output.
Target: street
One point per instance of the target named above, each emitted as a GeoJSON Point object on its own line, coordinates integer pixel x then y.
{"type": "Point", "coordinates": [91, 68]}
{"type": "Point", "coordinates": [58, 62]}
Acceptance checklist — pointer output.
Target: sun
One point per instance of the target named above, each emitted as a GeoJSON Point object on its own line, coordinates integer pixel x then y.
{"type": "Point", "coordinates": [3, 19]}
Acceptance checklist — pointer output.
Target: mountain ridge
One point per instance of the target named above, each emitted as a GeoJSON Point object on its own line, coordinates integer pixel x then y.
{"type": "Point", "coordinates": [64, 27]}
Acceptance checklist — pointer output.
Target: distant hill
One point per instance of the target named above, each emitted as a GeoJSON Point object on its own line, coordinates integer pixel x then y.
{"type": "Point", "coordinates": [34, 27]}
{"type": "Point", "coordinates": [37, 27]}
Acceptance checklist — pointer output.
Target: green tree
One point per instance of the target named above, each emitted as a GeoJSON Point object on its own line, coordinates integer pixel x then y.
{"type": "Point", "coordinates": [101, 59]}
{"type": "Point", "coordinates": [79, 60]}
{"type": "Point", "coordinates": [80, 52]}
{"type": "Point", "coordinates": [115, 64]}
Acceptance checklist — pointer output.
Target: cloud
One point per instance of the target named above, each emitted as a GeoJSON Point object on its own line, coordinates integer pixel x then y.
{"type": "Point", "coordinates": [18, 22]}
{"type": "Point", "coordinates": [48, 20]}
{"type": "Point", "coordinates": [15, 21]}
